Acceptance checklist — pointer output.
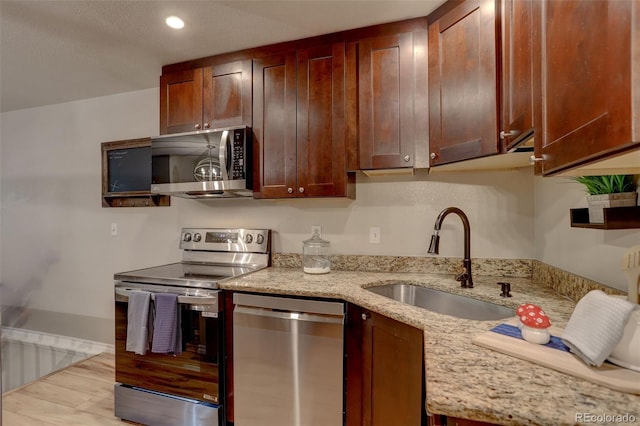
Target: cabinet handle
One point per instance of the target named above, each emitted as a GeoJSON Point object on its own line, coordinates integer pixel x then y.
{"type": "Point", "coordinates": [197, 126]}
{"type": "Point", "coordinates": [301, 190]}
{"type": "Point", "coordinates": [407, 158]}
{"type": "Point", "coordinates": [365, 316]}
{"type": "Point", "coordinates": [207, 125]}
{"type": "Point", "coordinates": [533, 159]}
{"type": "Point", "coordinates": [433, 155]}
{"type": "Point", "coordinates": [290, 190]}
{"type": "Point", "coordinates": [507, 134]}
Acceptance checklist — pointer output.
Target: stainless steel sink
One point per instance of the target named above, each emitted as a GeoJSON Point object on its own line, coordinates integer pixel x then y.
{"type": "Point", "coordinates": [443, 302]}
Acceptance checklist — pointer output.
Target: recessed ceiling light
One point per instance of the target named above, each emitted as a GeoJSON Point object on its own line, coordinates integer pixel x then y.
{"type": "Point", "coordinates": [175, 22]}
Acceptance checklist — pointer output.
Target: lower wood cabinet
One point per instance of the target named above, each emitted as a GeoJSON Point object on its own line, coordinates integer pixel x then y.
{"type": "Point", "coordinates": [439, 420]}
{"type": "Point", "coordinates": [384, 371]}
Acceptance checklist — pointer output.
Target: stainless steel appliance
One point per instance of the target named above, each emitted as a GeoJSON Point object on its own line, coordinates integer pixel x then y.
{"type": "Point", "coordinates": [212, 163]}
{"type": "Point", "coordinates": [186, 389]}
{"type": "Point", "coordinates": [287, 361]}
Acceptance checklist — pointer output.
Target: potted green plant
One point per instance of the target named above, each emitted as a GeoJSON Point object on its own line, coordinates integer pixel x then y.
{"type": "Point", "coordinates": [607, 191]}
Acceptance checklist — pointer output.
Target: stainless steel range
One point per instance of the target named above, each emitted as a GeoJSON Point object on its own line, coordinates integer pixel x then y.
{"type": "Point", "coordinates": [183, 386]}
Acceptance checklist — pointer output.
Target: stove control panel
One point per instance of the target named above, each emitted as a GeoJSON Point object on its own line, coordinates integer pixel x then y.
{"type": "Point", "coordinates": [238, 240]}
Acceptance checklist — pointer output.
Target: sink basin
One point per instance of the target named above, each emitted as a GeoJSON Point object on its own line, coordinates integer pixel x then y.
{"type": "Point", "coordinates": [443, 302]}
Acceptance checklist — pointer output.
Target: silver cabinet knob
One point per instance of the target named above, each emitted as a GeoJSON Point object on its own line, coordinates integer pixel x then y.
{"type": "Point", "coordinates": [290, 190]}
{"type": "Point", "coordinates": [533, 159]}
{"type": "Point", "coordinates": [407, 158]}
{"type": "Point", "coordinates": [433, 155]}
{"type": "Point", "coordinates": [301, 190]}
{"type": "Point", "coordinates": [207, 125]}
{"type": "Point", "coordinates": [507, 134]}
{"type": "Point", "coordinates": [365, 316]}
{"type": "Point", "coordinates": [197, 126]}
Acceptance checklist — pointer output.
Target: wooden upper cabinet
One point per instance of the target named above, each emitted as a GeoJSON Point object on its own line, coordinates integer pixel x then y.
{"type": "Point", "coordinates": [386, 86]}
{"type": "Point", "coordinates": [517, 71]}
{"type": "Point", "coordinates": [202, 98]}
{"type": "Point", "coordinates": [321, 134]}
{"type": "Point", "coordinates": [588, 91]}
{"type": "Point", "coordinates": [227, 95]}
{"type": "Point", "coordinates": [299, 124]}
{"type": "Point", "coordinates": [463, 81]}
{"type": "Point", "coordinates": [274, 127]}
{"type": "Point", "coordinates": [180, 101]}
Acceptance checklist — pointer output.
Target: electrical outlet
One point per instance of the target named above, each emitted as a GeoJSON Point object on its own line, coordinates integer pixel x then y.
{"type": "Point", "coordinates": [114, 229]}
{"type": "Point", "coordinates": [374, 235]}
{"type": "Point", "coordinates": [317, 228]}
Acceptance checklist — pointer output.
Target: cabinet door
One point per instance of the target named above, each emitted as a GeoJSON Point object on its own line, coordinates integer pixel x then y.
{"type": "Point", "coordinates": [321, 121]}
{"type": "Point", "coordinates": [386, 95]}
{"type": "Point", "coordinates": [227, 95]}
{"type": "Point", "coordinates": [181, 101]}
{"type": "Point", "coordinates": [583, 58]}
{"type": "Point", "coordinates": [463, 108]}
{"type": "Point", "coordinates": [274, 126]}
{"type": "Point", "coordinates": [384, 371]}
{"type": "Point", "coordinates": [517, 69]}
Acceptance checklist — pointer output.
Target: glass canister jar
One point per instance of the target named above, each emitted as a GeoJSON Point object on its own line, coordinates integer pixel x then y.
{"type": "Point", "coordinates": [315, 255]}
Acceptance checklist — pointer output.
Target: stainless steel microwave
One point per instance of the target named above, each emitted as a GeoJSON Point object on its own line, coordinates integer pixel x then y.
{"type": "Point", "coordinates": [213, 163]}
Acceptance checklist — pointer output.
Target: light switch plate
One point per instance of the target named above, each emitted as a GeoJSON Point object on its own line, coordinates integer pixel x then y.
{"type": "Point", "coordinates": [374, 235]}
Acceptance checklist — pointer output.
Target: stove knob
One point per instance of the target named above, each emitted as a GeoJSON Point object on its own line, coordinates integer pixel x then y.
{"type": "Point", "coordinates": [248, 238]}
{"type": "Point", "coordinates": [197, 238]}
{"type": "Point", "coordinates": [260, 239]}
{"type": "Point", "coordinates": [187, 237]}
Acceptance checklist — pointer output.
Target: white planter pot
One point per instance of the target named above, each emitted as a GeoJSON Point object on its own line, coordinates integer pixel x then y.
{"type": "Point", "coordinates": [597, 204]}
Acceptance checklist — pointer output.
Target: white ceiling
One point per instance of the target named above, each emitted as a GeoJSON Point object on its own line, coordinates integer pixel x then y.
{"type": "Point", "coordinates": [62, 50]}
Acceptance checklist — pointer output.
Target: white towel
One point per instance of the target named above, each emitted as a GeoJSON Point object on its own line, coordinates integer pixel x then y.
{"type": "Point", "coordinates": [137, 320]}
{"type": "Point", "coordinates": [596, 326]}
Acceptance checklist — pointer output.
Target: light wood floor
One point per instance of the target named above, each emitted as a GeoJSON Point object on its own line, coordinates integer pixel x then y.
{"type": "Point", "coordinates": [81, 394]}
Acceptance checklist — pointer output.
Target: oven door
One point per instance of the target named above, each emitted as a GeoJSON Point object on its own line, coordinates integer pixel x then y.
{"type": "Point", "coordinates": [196, 372]}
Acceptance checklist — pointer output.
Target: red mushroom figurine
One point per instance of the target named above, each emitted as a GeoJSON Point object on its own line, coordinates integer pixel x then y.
{"type": "Point", "coordinates": [534, 324]}
{"type": "Point", "coordinates": [522, 309]}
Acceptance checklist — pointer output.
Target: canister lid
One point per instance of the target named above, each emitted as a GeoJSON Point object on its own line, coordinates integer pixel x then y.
{"type": "Point", "coordinates": [315, 240]}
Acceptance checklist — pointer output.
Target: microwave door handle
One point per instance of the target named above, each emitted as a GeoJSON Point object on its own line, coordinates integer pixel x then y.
{"type": "Point", "coordinates": [222, 152]}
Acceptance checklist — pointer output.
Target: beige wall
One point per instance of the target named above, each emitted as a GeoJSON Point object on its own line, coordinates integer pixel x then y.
{"type": "Point", "coordinates": [58, 255]}
{"type": "Point", "coordinates": [591, 253]}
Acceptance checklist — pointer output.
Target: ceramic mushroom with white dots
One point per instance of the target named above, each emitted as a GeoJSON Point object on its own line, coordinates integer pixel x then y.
{"type": "Point", "coordinates": [533, 324]}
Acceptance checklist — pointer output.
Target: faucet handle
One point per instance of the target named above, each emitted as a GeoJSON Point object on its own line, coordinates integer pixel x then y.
{"type": "Point", "coordinates": [505, 289]}
{"type": "Point", "coordinates": [463, 276]}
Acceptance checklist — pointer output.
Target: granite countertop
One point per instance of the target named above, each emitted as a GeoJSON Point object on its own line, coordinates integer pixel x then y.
{"type": "Point", "coordinates": [462, 379]}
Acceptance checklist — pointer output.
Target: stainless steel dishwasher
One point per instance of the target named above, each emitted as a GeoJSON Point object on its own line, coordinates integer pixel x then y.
{"type": "Point", "coordinates": [287, 361]}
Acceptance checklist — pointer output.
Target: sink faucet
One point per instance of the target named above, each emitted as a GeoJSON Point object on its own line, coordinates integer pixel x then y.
{"type": "Point", "coordinates": [465, 277]}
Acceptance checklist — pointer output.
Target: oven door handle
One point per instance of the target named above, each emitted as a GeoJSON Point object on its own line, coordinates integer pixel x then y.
{"type": "Point", "coordinates": [122, 295]}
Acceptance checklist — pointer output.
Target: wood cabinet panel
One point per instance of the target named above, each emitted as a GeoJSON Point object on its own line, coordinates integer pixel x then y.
{"type": "Point", "coordinates": [463, 85]}
{"type": "Point", "coordinates": [299, 124]}
{"type": "Point", "coordinates": [321, 156]}
{"type": "Point", "coordinates": [180, 101]}
{"type": "Point", "coordinates": [587, 88]}
{"type": "Point", "coordinates": [384, 371]}
{"type": "Point", "coordinates": [206, 98]}
{"type": "Point", "coordinates": [517, 71]}
{"type": "Point", "coordinates": [227, 95]}
{"type": "Point", "coordinates": [386, 93]}
{"type": "Point", "coordinates": [274, 126]}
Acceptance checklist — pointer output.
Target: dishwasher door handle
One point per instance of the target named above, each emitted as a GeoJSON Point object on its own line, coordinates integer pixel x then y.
{"type": "Point", "coordinates": [287, 315]}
